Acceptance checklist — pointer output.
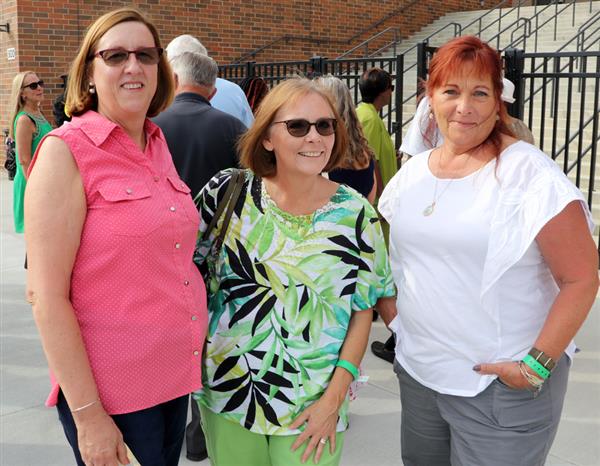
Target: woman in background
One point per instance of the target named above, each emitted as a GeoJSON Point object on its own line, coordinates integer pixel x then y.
{"type": "Point", "coordinates": [27, 128]}
{"type": "Point", "coordinates": [357, 168]}
{"type": "Point", "coordinates": [255, 88]}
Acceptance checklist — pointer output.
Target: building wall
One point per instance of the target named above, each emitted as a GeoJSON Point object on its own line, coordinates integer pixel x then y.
{"type": "Point", "coordinates": [47, 34]}
{"type": "Point", "coordinates": [8, 68]}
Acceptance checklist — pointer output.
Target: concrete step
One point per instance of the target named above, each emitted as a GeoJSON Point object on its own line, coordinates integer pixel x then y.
{"type": "Point", "coordinates": [566, 25]}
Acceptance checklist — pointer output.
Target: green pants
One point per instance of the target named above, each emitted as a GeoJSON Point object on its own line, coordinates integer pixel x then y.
{"type": "Point", "coordinates": [229, 444]}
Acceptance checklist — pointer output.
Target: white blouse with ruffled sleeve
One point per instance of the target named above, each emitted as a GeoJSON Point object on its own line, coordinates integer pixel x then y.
{"type": "Point", "coordinates": [473, 286]}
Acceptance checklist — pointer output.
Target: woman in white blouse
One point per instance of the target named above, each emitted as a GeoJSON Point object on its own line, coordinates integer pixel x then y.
{"type": "Point", "coordinates": [496, 271]}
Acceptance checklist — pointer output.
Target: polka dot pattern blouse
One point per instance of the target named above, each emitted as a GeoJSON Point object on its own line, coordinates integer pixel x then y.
{"type": "Point", "coordinates": [139, 299]}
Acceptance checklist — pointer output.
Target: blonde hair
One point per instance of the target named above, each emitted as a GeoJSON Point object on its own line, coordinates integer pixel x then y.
{"type": "Point", "coordinates": [359, 154]}
{"type": "Point", "coordinates": [78, 97]}
{"type": "Point", "coordinates": [262, 162]}
{"type": "Point", "coordinates": [16, 103]}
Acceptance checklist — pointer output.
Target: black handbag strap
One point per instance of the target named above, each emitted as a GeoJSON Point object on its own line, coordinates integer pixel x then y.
{"type": "Point", "coordinates": [229, 200]}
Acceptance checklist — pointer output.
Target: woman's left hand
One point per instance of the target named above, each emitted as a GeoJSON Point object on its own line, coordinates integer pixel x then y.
{"type": "Point", "coordinates": [508, 373]}
{"type": "Point", "coordinates": [321, 418]}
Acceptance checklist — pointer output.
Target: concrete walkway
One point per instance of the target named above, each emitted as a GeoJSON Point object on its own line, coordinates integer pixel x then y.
{"type": "Point", "coordinates": [30, 434]}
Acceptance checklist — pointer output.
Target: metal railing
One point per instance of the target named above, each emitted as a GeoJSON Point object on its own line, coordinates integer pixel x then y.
{"type": "Point", "coordinates": [521, 26]}
{"type": "Point", "coordinates": [364, 45]}
{"type": "Point", "coordinates": [479, 19]}
{"type": "Point", "coordinates": [288, 37]}
{"type": "Point", "coordinates": [584, 28]}
{"type": "Point", "coordinates": [589, 27]}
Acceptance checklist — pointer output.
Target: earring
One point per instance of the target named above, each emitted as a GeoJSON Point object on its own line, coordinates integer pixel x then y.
{"type": "Point", "coordinates": [497, 117]}
{"type": "Point", "coordinates": [430, 115]}
{"type": "Point", "coordinates": [92, 88]}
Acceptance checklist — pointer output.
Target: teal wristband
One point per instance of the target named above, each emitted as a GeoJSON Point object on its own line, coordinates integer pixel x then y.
{"type": "Point", "coordinates": [538, 368]}
{"type": "Point", "coordinates": [351, 368]}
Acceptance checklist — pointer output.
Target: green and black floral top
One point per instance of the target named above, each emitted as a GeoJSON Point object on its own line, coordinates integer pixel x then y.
{"type": "Point", "coordinates": [280, 300]}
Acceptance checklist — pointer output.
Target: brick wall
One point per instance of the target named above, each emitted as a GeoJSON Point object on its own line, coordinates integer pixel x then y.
{"type": "Point", "coordinates": [8, 68]}
{"type": "Point", "coordinates": [47, 34]}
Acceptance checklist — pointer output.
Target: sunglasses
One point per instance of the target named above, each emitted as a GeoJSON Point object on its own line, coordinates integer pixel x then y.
{"type": "Point", "coordinates": [116, 57]}
{"type": "Point", "coordinates": [34, 86]}
{"type": "Point", "coordinates": [299, 127]}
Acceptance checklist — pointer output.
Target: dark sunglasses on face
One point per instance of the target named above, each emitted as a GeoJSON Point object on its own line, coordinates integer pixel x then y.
{"type": "Point", "coordinates": [34, 86]}
{"type": "Point", "coordinates": [116, 57]}
{"type": "Point", "coordinates": [300, 127]}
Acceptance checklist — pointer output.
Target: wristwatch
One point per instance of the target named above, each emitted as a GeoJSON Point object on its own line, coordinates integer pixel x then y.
{"type": "Point", "coordinates": [541, 357]}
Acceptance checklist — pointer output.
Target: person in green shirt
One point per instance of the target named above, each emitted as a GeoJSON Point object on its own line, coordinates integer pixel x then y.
{"type": "Point", "coordinates": [27, 127]}
{"type": "Point", "coordinates": [376, 91]}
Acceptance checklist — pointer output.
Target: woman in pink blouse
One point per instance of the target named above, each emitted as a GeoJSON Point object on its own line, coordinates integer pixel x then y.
{"type": "Point", "coordinates": [110, 230]}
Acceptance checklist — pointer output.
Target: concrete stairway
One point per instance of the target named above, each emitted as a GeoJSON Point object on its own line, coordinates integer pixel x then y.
{"type": "Point", "coordinates": [566, 27]}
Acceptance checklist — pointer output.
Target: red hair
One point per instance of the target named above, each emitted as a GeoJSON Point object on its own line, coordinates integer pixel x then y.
{"type": "Point", "coordinates": [469, 52]}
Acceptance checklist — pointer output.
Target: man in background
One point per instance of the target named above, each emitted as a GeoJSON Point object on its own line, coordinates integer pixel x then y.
{"type": "Point", "coordinates": [230, 97]}
{"type": "Point", "coordinates": [201, 138]}
{"type": "Point", "coordinates": [376, 89]}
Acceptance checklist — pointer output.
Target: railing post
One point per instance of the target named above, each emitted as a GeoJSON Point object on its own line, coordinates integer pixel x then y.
{"type": "Point", "coordinates": [399, 91]}
{"type": "Point", "coordinates": [514, 60]}
{"type": "Point", "coordinates": [250, 69]}
{"type": "Point", "coordinates": [316, 64]}
{"type": "Point", "coordinates": [421, 62]}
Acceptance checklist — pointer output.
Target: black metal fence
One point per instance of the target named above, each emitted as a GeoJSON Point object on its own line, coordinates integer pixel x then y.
{"type": "Point", "coordinates": [558, 96]}
{"type": "Point", "coordinates": [348, 69]}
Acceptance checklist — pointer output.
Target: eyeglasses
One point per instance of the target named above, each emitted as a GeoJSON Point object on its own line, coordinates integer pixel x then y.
{"type": "Point", "coordinates": [34, 86]}
{"type": "Point", "coordinates": [116, 57]}
{"type": "Point", "coordinates": [299, 127]}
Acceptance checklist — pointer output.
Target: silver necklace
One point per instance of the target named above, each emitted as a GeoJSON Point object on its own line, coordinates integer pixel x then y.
{"type": "Point", "coordinates": [428, 210]}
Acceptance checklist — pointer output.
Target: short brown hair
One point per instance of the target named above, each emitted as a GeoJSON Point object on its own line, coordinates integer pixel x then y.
{"type": "Point", "coordinates": [78, 97]}
{"type": "Point", "coordinates": [262, 162]}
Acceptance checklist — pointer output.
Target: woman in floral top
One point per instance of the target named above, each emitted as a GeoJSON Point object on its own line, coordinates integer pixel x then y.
{"type": "Point", "coordinates": [292, 288]}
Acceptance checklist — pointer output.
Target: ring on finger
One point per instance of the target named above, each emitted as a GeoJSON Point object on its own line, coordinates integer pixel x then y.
{"type": "Point", "coordinates": [323, 441]}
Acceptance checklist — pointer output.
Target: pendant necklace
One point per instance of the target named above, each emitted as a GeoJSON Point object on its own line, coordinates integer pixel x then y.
{"type": "Point", "coordinates": [428, 210]}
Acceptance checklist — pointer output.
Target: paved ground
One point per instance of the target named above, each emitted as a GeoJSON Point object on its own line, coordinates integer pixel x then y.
{"type": "Point", "coordinates": [30, 434]}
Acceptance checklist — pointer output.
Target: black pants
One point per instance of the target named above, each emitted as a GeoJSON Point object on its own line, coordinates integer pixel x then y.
{"type": "Point", "coordinates": [154, 435]}
{"type": "Point", "coordinates": [194, 436]}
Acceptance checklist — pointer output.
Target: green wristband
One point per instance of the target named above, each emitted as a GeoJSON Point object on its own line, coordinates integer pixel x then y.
{"type": "Point", "coordinates": [538, 368]}
{"type": "Point", "coordinates": [349, 367]}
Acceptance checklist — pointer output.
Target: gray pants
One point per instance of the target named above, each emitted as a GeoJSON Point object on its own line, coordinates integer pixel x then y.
{"type": "Point", "coordinates": [498, 427]}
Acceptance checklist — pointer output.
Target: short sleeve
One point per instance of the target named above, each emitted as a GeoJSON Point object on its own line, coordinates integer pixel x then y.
{"type": "Point", "coordinates": [374, 278]}
{"type": "Point", "coordinates": [390, 193]}
{"type": "Point", "coordinates": [414, 142]}
{"type": "Point", "coordinates": [531, 195]}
